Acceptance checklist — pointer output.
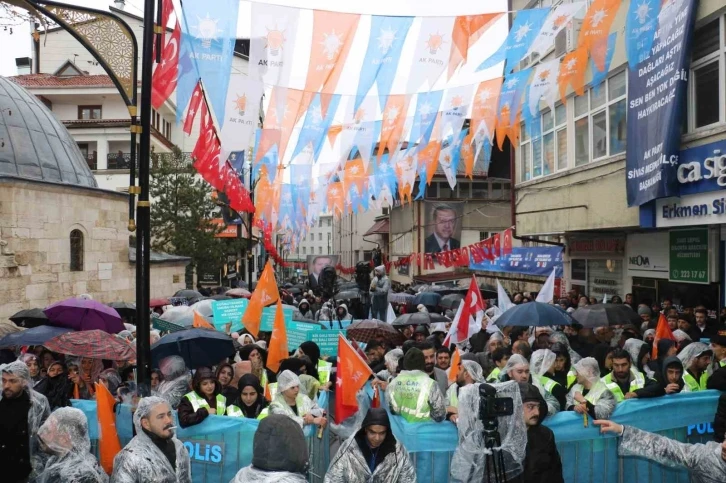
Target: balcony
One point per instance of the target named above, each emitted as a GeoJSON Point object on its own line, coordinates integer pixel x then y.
{"type": "Point", "coordinates": [122, 161]}
{"type": "Point", "coordinates": [119, 161]}
{"type": "Point", "coordinates": [91, 160]}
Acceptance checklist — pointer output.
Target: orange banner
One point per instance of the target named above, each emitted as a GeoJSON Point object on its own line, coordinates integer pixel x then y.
{"type": "Point", "coordinates": [484, 107]}
{"type": "Point", "coordinates": [467, 30]}
{"type": "Point", "coordinates": [108, 444]}
{"type": "Point", "coordinates": [394, 119]}
{"type": "Point", "coordinates": [265, 294]}
{"type": "Point", "coordinates": [277, 350]}
{"type": "Point", "coordinates": [596, 26]}
{"type": "Point", "coordinates": [572, 72]}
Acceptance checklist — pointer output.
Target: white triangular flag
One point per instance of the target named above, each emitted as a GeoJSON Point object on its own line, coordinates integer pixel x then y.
{"type": "Point", "coordinates": [558, 19]}
{"type": "Point", "coordinates": [390, 314]}
{"type": "Point", "coordinates": [503, 301]}
{"type": "Point", "coordinates": [548, 290]}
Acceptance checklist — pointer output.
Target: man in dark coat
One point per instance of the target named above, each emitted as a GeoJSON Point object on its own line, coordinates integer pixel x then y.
{"type": "Point", "coordinates": [444, 222]}
{"type": "Point", "coordinates": [542, 462]}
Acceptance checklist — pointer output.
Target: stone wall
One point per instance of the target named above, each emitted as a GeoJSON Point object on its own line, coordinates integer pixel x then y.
{"type": "Point", "coordinates": [36, 220]}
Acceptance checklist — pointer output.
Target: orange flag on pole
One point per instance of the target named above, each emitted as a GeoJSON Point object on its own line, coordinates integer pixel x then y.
{"type": "Point", "coordinates": [265, 294]}
{"type": "Point", "coordinates": [454, 367]}
{"type": "Point", "coordinates": [277, 351]}
{"type": "Point", "coordinates": [108, 442]}
{"type": "Point", "coordinates": [200, 322]}
{"type": "Point", "coordinates": [353, 373]}
{"type": "Point", "coordinates": [662, 331]}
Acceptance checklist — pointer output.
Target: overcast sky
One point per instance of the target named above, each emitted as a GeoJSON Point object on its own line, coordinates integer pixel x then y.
{"type": "Point", "coordinates": [19, 45]}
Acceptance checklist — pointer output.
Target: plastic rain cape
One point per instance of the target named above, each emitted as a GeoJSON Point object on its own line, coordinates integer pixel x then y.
{"type": "Point", "coordinates": [176, 381]}
{"type": "Point", "coordinates": [250, 474]}
{"type": "Point", "coordinates": [540, 363]}
{"type": "Point", "coordinates": [469, 462]}
{"type": "Point", "coordinates": [37, 414]}
{"type": "Point", "coordinates": [141, 460]}
{"type": "Point", "coordinates": [65, 434]}
{"type": "Point", "coordinates": [561, 337]}
{"type": "Point", "coordinates": [590, 370]}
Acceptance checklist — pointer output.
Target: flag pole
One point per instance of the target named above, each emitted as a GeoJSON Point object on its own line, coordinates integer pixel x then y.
{"type": "Point", "coordinates": [143, 211]}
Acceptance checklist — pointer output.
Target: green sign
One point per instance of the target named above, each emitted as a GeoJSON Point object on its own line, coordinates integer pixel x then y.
{"type": "Point", "coordinates": [267, 322]}
{"type": "Point", "coordinates": [689, 255]}
{"type": "Point", "coordinates": [229, 311]}
{"type": "Point", "coordinates": [327, 340]}
{"type": "Point", "coordinates": [298, 332]}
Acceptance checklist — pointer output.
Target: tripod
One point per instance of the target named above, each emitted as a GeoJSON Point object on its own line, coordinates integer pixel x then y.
{"type": "Point", "coordinates": [494, 467]}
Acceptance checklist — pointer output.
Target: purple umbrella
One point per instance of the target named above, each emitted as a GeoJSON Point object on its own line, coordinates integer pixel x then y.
{"type": "Point", "coordinates": [80, 314]}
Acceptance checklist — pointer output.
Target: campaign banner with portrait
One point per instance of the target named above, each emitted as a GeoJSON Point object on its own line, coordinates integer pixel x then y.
{"type": "Point", "coordinates": [657, 88]}
{"type": "Point", "coordinates": [442, 226]}
{"type": "Point", "coordinates": [316, 264]}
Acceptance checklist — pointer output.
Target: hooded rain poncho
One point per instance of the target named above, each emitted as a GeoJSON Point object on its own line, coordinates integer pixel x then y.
{"type": "Point", "coordinates": [142, 461]}
{"type": "Point", "coordinates": [561, 337]}
{"type": "Point", "coordinates": [37, 414]}
{"type": "Point", "coordinates": [691, 352]}
{"type": "Point", "coordinates": [65, 434]}
{"type": "Point", "coordinates": [634, 347]}
{"type": "Point", "coordinates": [605, 401]}
{"type": "Point", "coordinates": [541, 362]}
{"type": "Point", "coordinates": [704, 461]}
{"type": "Point", "coordinates": [286, 380]}
{"type": "Point", "coordinates": [176, 381]}
{"type": "Point", "coordinates": [352, 462]}
{"type": "Point", "coordinates": [391, 358]}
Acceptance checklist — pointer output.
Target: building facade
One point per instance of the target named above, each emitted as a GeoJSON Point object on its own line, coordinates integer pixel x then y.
{"type": "Point", "coordinates": [570, 182]}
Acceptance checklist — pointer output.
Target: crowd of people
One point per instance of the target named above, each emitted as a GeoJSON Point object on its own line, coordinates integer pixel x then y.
{"type": "Point", "coordinates": [568, 368]}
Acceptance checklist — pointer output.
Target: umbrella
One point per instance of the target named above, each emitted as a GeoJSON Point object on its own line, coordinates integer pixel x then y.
{"type": "Point", "coordinates": [294, 290]}
{"type": "Point", "coordinates": [348, 286]}
{"type": "Point", "coordinates": [348, 295]}
{"type": "Point", "coordinates": [182, 315]}
{"type": "Point", "coordinates": [164, 326]}
{"type": "Point", "coordinates": [370, 329]}
{"type": "Point", "coordinates": [124, 309]}
{"type": "Point", "coordinates": [29, 318]}
{"type": "Point", "coordinates": [94, 344]}
{"type": "Point", "coordinates": [220, 296]}
{"type": "Point", "coordinates": [204, 308]}
{"type": "Point", "coordinates": [400, 297]}
{"type": "Point", "coordinates": [600, 315]}
{"type": "Point", "coordinates": [198, 347]}
{"type": "Point", "coordinates": [429, 299]}
{"type": "Point", "coordinates": [153, 303]}
{"type": "Point", "coordinates": [189, 294]}
{"type": "Point", "coordinates": [8, 328]}
{"type": "Point", "coordinates": [80, 314]}
{"type": "Point", "coordinates": [35, 336]}
{"type": "Point", "coordinates": [419, 318]}
{"type": "Point", "coordinates": [537, 314]}
{"type": "Point", "coordinates": [239, 293]}
{"type": "Point", "coordinates": [451, 300]}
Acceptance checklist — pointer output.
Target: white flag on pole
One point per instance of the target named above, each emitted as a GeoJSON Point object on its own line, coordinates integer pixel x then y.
{"type": "Point", "coordinates": [548, 289]}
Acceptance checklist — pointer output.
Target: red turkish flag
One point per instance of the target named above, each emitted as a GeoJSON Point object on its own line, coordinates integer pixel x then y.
{"type": "Point", "coordinates": [164, 78]}
{"type": "Point", "coordinates": [472, 312]}
{"type": "Point", "coordinates": [496, 246]}
{"type": "Point", "coordinates": [507, 246]}
{"type": "Point", "coordinates": [193, 108]}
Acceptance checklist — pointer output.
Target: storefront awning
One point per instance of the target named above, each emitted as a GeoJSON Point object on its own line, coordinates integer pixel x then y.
{"type": "Point", "coordinates": [380, 227]}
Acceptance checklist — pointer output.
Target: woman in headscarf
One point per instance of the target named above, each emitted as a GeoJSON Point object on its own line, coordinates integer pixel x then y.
{"type": "Point", "coordinates": [561, 337]}
{"type": "Point", "coordinates": [56, 386]}
{"type": "Point", "coordinates": [225, 375]}
{"type": "Point", "coordinates": [252, 400]}
{"type": "Point", "coordinates": [31, 360]}
{"type": "Point", "coordinates": [311, 350]}
{"type": "Point", "coordinates": [155, 379]}
{"type": "Point", "coordinates": [564, 373]}
{"type": "Point", "coordinates": [205, 398]}
{"type": "Point", "coordinates": [258, 358]}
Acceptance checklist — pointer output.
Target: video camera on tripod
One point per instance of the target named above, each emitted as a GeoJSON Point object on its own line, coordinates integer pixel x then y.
{"type": "Point", "coordinates": [492, 407]}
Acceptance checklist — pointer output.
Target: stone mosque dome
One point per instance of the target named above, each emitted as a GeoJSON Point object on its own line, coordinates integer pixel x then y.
{"type": "Point", "coordinates": [34, 144]}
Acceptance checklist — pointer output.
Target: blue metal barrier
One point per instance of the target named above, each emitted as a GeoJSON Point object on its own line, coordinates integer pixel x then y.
{"type": "Point", "coordinates": [586, 455]}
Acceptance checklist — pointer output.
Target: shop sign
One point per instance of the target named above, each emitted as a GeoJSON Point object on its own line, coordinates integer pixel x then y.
{"type": "Point", "coordinates": [702, 169]}
{"type": "Point", "coordinates": [647, 252]}
{"type": "Point", "coordinates": [698, 209]}
{"type": "Point", "coordinates": [689, 255]}
{"type": "Point", "coordinates": [601, 245]}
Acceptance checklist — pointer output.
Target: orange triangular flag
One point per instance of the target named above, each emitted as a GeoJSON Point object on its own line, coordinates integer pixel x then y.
{"type": "Point", "coordinates": [662, 331]}
{"type": "Point", "coordinates": [265, 294]}
{"type": "Point", "coordinates": [353, 372]}
{"type": "Point", "coordinates": [430, 157]}
{"type": "Point", "coordinates": [333, 133]}
{"type": "Point", "coordinates": [467, 30]}
{"type": "Point", "coordinates": [394, 119]}
{"type": "Point", "coordinates": [467, 155]}
{"type": "Point", "coordinates": [454, 368]}
{"type": "Point", "coordinates": [572, 71]}
{"type": "Point", "coordinates": [200, 322]}
{"type": "Point", "coordinates": [277, 350]}
{"type": "Point", "coordinates": [108, 442]}
{"type": "Point", "coordinates": [596, 26]}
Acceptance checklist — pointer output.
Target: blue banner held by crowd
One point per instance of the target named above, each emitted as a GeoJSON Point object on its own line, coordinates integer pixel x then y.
{"type": "Point", "coordinates": [537, 261]}
{"type": "Point", "coordinates": [656, 99]}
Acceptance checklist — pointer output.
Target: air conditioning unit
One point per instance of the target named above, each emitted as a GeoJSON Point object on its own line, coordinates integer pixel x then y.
{"type": "Point", "coordinates": [566, 39]}
{"type": "Point", "coordinates": [528, 60]}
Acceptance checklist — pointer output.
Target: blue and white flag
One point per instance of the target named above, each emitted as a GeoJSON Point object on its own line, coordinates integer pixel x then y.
{"type": "Point", "coordinates": [209, 30]}
{"type": "Point", "coordinates": [381, 60]}
{"type": "Point", "coordinates": [315, 127]}
{"type": "Point", "coordinates": [269, 159]}
{"type": "Point", "coordinates": [557, 20]}
{"type": "Point", "coordinates": [598, 76]}
{"type": "Point", "coordinates": [525, 29]}
{"type": "Point", "coordinates": [640, 27]}
{"type": "Point", "coordinates": [427, 109]}
{"type": "Point", "coordinates": [510, 97]}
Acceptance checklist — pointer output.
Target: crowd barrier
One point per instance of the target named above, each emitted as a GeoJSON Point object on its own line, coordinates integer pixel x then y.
{"type": "Point", "coordinates": [220, 446]}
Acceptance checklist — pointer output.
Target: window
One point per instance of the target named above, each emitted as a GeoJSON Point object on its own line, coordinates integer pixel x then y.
{"type": "Point", "coordinates": [480, 190]}
{"type": "Point", "coordinates": [483, 235]}
{"type": "Point", "coordinates": [706, 96]}
{"type": "Point", "coordinates": [320, 223]}
{"type": "Point", "coordinates": [328, 222]}
{"type": "Point", "coordinates": [544, 147]}
{"type": "Point", "coordinates": [320, 237]}
{"type": "Point", "coordinates": [320, 250]}
{"type": "Point", "coordinates": [464, 189]}
{"type": "Point", "coordinates": [305, 251]}
{"type": "Point", "coordinates": [600, 127]}
{"type": "Point", "coordinates": [76, 251]}
{"type": "Point", "coordinates": [89, 112]}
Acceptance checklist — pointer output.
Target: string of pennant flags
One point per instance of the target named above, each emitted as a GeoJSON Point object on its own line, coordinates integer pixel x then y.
{"type": "Point", "coordinates": [322, 147]}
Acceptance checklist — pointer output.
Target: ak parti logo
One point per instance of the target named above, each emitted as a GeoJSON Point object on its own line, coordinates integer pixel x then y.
{"type": "Point", "coordinates": [275, 39]}
{"type": "Point", "coordinates": [435, 42]}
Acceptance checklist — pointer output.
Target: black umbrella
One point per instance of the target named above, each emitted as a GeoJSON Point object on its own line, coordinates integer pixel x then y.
{"type": "Point", "coordinates": [451, 300]}
{"type": "Point", "coordinates": [601, 315]}
{"type": "Point", "coordinates": [29, 318]}
{"type": "Point", "coordinates": [348, 295]}
{"type": "Point", "coordinates": [294, 290]}
{"type": "Point", "coordinates": [124, 309]}
{"type": "Point", "coordinates": [35, 336]}
{"type": "Point", "coordinates": [348, 286]}
{"type": "Point", "coordinates": [192, 296]}
{"type": "Point", "coordinates": [533, 314]}
{"type": "Point", "coordinates": [220, 296]}
{"type": "Point", "coordinates": [198, 347]}
{"type": "Point", "coordinates": [418, 318]}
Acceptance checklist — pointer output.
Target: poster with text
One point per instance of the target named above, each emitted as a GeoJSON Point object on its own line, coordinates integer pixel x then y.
{"type": "Point", "coordinates": [442, 226]}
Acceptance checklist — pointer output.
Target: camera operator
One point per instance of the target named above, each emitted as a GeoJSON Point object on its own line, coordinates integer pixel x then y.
{"type": "Point", "coordinates": [542, 462]}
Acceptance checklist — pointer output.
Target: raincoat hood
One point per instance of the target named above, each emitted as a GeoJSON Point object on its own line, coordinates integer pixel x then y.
{"type": "Point", "coordinates": [673, 361]}
{"type": "Point", "coordinates": [286, 380]}
{"type": "Point", "coordinates": [541, 361]}
{"type": "Point", "coordinates": [589, 369]}
{"type": "Point", "coordinates": [474, 370]}
{"type": "Point", "coordinates": [693, 351]}
{"type": "Point", "coordinates": [279, 445]}
{"type": "Point", "coordinates": [636, 348]}
{"type": "Point", "coordinates": [380, 270]}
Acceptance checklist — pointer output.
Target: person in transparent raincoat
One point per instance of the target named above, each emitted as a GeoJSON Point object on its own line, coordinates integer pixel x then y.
{"type": "Point", "coordinates": [64, 435]}
{"type": "Point", "coordinates": [391, 359]}
{"type": "Point", "coordinates": [177, 381]}
{"type": "Point", "coordinates": [154, 454]}
{"type": "Point", "coordinates": [542, 368]}
{"type": "Point", "coordinates": [561, 337]}
{"type": "Point", "coordinates": [372, 454]}
{"type": "Point", "coordinates": [518, 369]}
{"type": "Point", "coordinates": [590, 394]}
{"type": "Point", "coordinates": [706, 462]}
{"type": "Point", "coordinates": [18, 388]}
{"type": "Point", "coordinates": [469, 462]}
{"type": "Point", "coordinates": [279, 453]}
{"type": "Point", "coordinates": [297, 406]}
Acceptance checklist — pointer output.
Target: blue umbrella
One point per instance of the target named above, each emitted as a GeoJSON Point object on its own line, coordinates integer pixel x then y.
{"type": "Point", "coordinates": [537, 314]}
{"type": "Point", "coordinates": [430, 299]}
{"type": "Point", "coordinates": [198, 347]}
{"type": "Point", "coordinates": [35, 336]}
